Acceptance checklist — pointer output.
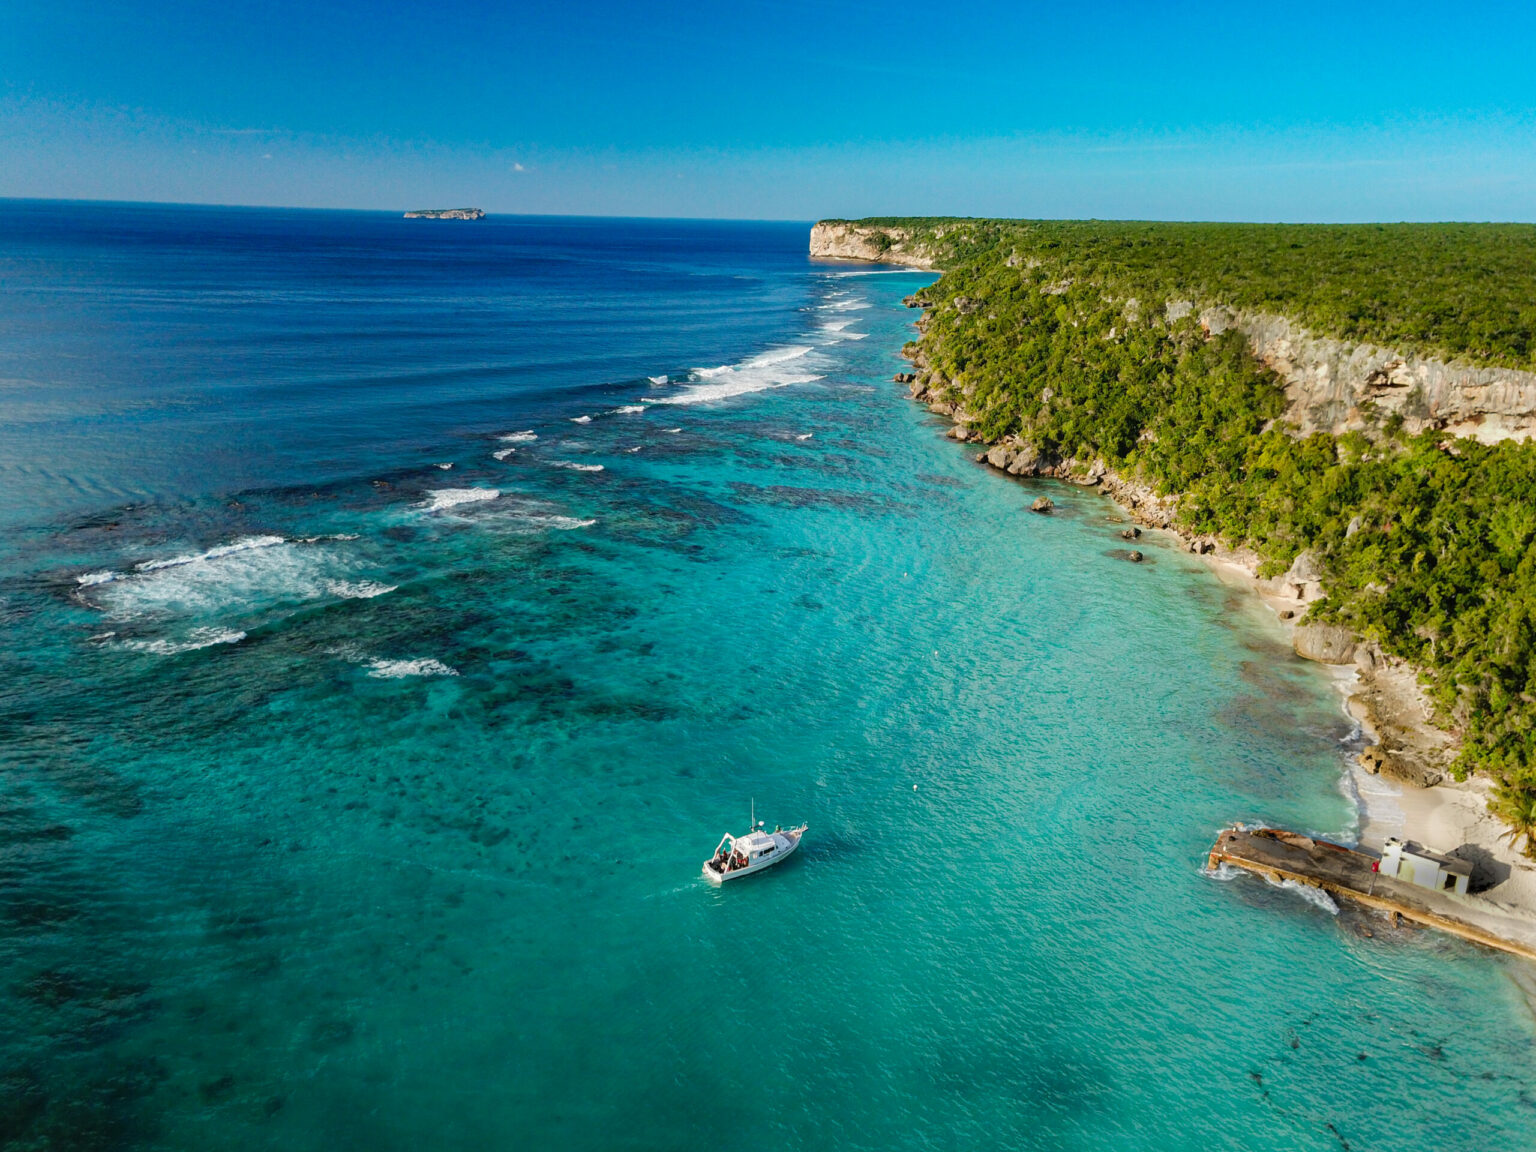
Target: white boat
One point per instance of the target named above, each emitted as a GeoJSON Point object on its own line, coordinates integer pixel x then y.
{"type": "Point", "coordinates": [739, 856]}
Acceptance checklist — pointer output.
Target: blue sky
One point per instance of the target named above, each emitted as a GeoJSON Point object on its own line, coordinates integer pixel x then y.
{"type": "Point", "coordinates": [779, 108]}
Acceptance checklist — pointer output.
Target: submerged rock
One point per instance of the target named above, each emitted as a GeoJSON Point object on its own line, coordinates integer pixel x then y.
{"type": "Point", "coordinates": [1042, 504]}
{"type": "Point", "coordinates": [1130, 534]}
{"type": "Point", "coordinates": [1134, 556]}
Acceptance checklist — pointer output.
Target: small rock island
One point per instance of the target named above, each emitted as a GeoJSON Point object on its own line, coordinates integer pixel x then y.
{"type": "Point", "coordinates": [446, 214]}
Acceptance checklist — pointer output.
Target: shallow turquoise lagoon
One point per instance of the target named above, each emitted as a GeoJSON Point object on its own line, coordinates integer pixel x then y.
{"type": "Point", "coordinates": [349, 801]}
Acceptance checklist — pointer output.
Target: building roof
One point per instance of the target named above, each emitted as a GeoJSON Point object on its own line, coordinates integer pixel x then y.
{"type": "Point", "coordinates": [1452, 864]}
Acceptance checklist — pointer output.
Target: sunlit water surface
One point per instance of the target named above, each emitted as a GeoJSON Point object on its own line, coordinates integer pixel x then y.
{"type": "Point", "coordinates": [350, 800]}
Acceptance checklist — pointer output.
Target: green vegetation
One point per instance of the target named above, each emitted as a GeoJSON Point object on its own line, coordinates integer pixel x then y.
{"type": "Point", "coordinates": [1056, 333]}
{"type": "Point", "coordinates": [1453, 290]}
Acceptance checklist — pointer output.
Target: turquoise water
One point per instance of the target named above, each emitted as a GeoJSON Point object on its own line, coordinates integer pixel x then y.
{"type": "Point", "coordinates": [343, 810]}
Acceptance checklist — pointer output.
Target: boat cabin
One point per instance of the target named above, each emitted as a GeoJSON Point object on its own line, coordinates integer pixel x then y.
{"type": "Point", "coordinates": [1417, 865]}
{"type": "Point", "coordinates": [756, 847]}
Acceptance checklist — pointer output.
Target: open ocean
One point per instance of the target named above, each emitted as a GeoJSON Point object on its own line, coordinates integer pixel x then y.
{"type": "Point", "coordinates": [394, 614]}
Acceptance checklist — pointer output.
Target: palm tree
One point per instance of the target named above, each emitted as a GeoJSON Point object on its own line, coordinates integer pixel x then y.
{"type": "Point", "coordinates": [1517, 808]}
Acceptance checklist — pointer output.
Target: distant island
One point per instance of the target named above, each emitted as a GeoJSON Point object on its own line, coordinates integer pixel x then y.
{"type": "Point", "coordinates": [446, 214]}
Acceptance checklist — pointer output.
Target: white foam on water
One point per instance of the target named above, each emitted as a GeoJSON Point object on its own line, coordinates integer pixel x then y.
{"type": "Point", "coordinates": [527, 437]}
{"type": "Point", "coordinates": [581, 419]}
{"type": "Point", "coordinates": [250, 574]}
{"type": "Point", "coordinates": [657, 379]}
{"type": "Point", "coordinates": [1223, 872]}
{"type": "Point", "coordinates": [636, 448]}
{"type": "Point", "coordinates": [92, 578]}
{"type": "Point", "coordinates": [358, 589]}
{"type": "Point", "coordinates": [445, 467]}
{"type": "Point", "coordinates": [560, 523]}
{"type": "Point", "coordinates": [671, 429]}
{"type": "Point", "coordinates": [835, 325]}
{"type": "Point", "coordinates": [857, 304]}
{"type": "Point", "coordinates": [245, 544]}
{"type": "Point", "coordinates": [805, 436]}
{"type": "Point", "coordinates": [627, 409]}
{"type": "Point", "coordinates": [503, 453]}
{"type": "Point", "coordinates": [575, 467]}
{"type": "Point", "coordinates": [775, 368]}
{"type": "Point", "coordinates": [195, 639]}
{"type": "Point", "coordinates": [398, 669]}
{"type": "Point", "coordinates": [443, 498]}
{"type": "Point", "coordinates": [1313, 896]}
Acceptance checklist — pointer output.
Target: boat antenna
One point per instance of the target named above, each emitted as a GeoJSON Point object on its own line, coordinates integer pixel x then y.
{"type": "Point", "coordinates": [754, 813]}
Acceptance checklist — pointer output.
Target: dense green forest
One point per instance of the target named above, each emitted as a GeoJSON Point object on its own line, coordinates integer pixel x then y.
{"type": "Point", "coordinates": [1427, 545]}
{"type": "Point", "coordinates": [1453, 290]}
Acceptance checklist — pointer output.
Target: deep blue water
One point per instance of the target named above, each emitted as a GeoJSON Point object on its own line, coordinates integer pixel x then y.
{"type": "Point", "coordinates": [349, 800]}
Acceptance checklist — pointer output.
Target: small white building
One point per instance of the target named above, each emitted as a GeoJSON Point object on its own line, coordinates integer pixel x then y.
{"type": "Point", "coordinates": [1418, 865]}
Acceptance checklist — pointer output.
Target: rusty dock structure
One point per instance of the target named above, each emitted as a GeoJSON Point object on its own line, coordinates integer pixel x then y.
{"type": "Point", "coordinates": [1343, 872]}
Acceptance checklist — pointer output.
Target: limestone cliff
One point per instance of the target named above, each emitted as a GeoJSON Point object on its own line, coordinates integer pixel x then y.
{"type": "Point", "coordinates": [840, 240]}
{"type": "Point", "coordinates": [1334, 386]}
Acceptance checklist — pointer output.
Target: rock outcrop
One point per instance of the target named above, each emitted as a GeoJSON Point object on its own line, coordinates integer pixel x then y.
{"type": "Point", "coordinates": [1325, 643]}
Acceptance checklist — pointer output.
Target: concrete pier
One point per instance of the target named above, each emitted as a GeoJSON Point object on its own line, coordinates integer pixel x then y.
{"type": "Point", "coordinates": [1345, 873]}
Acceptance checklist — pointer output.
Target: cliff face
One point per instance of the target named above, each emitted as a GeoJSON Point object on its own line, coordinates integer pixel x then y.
{"type": "Point", "coordinates": [840, 241]}
{"type": "Point", "coordinates": [1336, 387]}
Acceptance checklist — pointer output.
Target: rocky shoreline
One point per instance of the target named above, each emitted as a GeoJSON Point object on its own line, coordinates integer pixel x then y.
{"type": "Point", "coordinates": [1401, 780]}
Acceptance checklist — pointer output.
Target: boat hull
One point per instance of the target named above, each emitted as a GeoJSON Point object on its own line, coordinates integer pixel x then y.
{"type": "Point", "coordinates": [755, 867]}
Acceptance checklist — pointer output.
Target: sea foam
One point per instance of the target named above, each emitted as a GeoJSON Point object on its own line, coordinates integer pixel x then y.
{"type": "Point", "coordinates": [398, 669]}
{"type": "Point", "coordinates": [195, 639]}
{"type": "Point", "coordinates": [775, 368]}
{"type": "Point", "coordinates": [246, 544]}
{"type": "Point", "coordinates": [358, 589]}
{"type": "Point", "coordinates": [443, 498]}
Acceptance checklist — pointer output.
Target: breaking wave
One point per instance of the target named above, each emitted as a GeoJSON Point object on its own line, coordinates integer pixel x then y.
{"type": "Point", "coordinates": [443, 498]}
{"type": "Point", "coordinates": [195, 639]}
{"type": "Point", "coordinates": [773, 369]}
{"type": "Point", "coordinates": [253, 574]}
{"type": "Point", "coordinates": [1313, 896]}
{"type": "Point", "coordinates": [246, 544]}
{"type": "Point", "coordinates": [358, 589]}
{"type": "Point", "coordinates": [398, 669]}
{"type": "Point", "coordinates": [526, 437]}
{"type": "Point", "coordinates": [575, 467]}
